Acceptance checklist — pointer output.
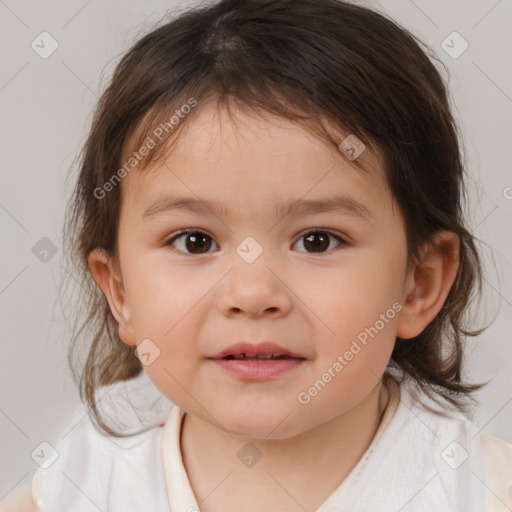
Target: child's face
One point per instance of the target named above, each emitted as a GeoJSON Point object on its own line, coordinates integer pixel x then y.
{"type": "Point", "coordinates": [305, 292]}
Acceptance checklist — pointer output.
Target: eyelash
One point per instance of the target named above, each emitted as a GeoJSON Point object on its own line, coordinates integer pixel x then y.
{"type": "Point", "coordinates": [168, 243]}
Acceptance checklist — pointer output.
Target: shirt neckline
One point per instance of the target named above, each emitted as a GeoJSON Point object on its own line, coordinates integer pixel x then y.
{"type": "Point", "coordinates": [179, 492]}
{"type": "Point", "coordinates": [393, 400]}
{"type": "Point", "coordinates": [178, 488]}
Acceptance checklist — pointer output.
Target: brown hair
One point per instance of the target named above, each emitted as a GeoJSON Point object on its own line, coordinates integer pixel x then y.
{"type": "Point", "coordinates": [318, 63]}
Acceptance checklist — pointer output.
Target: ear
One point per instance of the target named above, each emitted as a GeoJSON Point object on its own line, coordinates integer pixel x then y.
{"type": "Point", "coordinates": [428, 283]}
{"type": "Point", "coordinates": [108, 279]}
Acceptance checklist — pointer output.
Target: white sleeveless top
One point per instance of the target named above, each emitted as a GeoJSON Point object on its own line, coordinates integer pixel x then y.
{"type": "Point", "coordinates": [417, 461]}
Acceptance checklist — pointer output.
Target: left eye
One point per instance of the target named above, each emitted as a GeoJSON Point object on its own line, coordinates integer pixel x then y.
{"type": "Point", "coordinates": [197, 242]}
{"type": "Point", "coordinates": [319, 241]}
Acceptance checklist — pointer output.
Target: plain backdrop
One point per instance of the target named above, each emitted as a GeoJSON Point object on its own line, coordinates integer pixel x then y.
{"type": "Point", "coordinates": [46, 107]}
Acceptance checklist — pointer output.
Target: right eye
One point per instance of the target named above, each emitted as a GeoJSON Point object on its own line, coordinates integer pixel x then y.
{"type": "Point", "coordinates": [196, 242]}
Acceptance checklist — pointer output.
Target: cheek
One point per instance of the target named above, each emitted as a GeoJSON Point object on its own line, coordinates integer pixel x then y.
{"type": "Point", "coordinates": [352, 297]}
{"type": "Point", "coordinates": [160, 295]}
{"type": "Point", "coordinates": [175, 368]}
{"type": "Point", "coordinates": [361, 309]}
{"type": "Point", "coordinates": [351, 369]}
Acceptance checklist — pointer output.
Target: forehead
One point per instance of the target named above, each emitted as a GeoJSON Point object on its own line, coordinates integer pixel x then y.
{"type": "Point", "coordinates": [239, 153]}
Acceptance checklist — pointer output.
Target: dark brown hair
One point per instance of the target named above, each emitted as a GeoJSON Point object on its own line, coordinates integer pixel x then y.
{"type": "Point", "coordinates": [319, 63]}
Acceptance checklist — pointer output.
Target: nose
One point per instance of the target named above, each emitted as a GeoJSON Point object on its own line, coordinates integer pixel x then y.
{"type": "Point", "coordinates": [254, 290]}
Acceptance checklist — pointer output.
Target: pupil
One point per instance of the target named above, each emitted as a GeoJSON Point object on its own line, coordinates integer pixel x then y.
{"type": "Point", "coordinates": [197, 241]}
{"type": "Point", "coordinates": [317, 240]}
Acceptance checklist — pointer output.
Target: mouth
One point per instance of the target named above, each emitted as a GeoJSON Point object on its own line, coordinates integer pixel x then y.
{"type": "Point", "coordinates": [266, 350]}
{"type": "Point", "coordinates": [257, 362]}
{"type": "Point", "coordinates": [258, 357]}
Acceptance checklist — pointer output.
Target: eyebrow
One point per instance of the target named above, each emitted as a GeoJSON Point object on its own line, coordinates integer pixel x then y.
{"type": "Point", "coordinates": [337, 204]}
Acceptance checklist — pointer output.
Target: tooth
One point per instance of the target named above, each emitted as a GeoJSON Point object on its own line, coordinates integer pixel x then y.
{"type": "Point", "coordinates": [264, 356]}
{"type": "Point", "coordinates": [239, 356]}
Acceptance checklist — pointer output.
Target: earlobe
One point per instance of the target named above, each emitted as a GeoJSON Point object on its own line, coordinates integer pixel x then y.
{"type": "Point", "coordinates": [110, 283]}
{"type": "Point", "coordinates": [428, 284]}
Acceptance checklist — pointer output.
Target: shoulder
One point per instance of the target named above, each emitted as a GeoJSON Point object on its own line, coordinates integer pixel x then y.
{"type": "Point", "coordinates": [85, 462]}
{"type": "Point", "coordinates": [90, 468]}
{"type": "Point", "coordinates": [473, 460]}
{"type": "Point", "coordinates": [21, 501]}
{"type": "Point", "coordinates": [497, 460]}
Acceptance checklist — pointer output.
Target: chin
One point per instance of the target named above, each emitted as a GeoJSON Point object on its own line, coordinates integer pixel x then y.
{"type": "Point", "coordinates": [264, 426]}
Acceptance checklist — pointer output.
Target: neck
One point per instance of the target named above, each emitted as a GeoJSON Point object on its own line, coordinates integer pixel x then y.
{"type": "Point", "coordinates": [324, 455]}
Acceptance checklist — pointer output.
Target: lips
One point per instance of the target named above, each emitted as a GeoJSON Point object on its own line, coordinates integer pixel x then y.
{"type": "Point", "coordinates": [262, 351]}
{"type": "Point", "coordinates": [257, 362]}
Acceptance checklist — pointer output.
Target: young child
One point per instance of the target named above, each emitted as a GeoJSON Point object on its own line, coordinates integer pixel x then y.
{"type": "Point", "coordinates": [269, 223]}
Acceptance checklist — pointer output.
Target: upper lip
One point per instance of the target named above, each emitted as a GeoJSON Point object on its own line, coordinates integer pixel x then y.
{"type": "Point", "coordinates": [255, 349]}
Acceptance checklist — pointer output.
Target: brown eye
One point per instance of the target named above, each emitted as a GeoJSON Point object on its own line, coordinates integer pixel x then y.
{"type": "Point", "coordinates": [319, 241]}
{"type": "Point", "coordinates": [191, 242]}
{"type": "Point", "coordinates": [197, 242]}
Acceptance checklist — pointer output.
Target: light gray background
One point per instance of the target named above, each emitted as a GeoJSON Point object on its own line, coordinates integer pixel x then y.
{"type": "Point", "coordinates": [46, 108]}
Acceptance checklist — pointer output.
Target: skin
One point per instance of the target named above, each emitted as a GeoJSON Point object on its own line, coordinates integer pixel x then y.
{"type": "Point", "coordinates": [314, 303]}
{"type": "Point", "coordinates": [19, 501]}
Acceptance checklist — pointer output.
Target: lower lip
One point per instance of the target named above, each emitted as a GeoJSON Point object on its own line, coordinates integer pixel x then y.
{"type": "Point", "coordinates": [258, 370]}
